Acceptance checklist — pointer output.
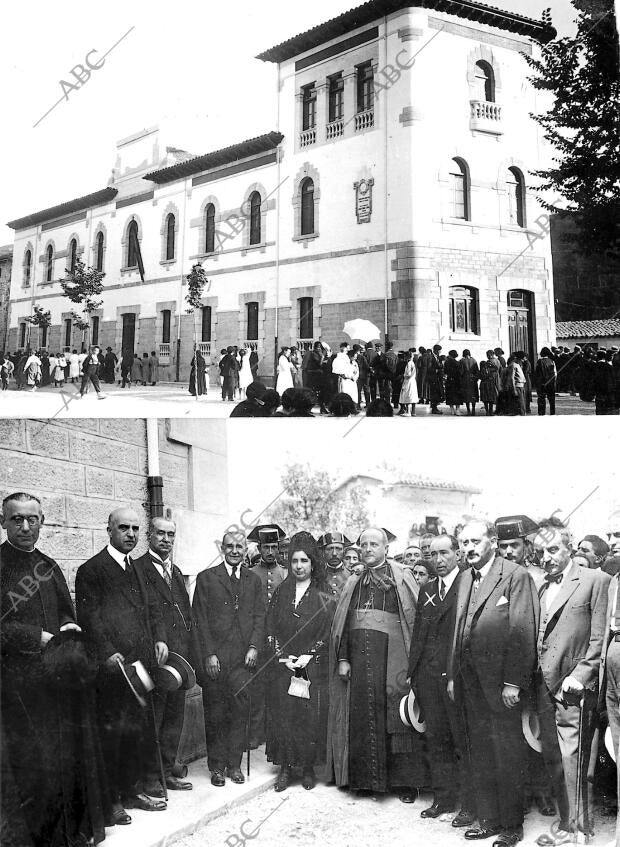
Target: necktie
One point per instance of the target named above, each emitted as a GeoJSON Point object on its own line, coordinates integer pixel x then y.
{"type": "Point", "coordinates": [554, 577]}
{"type": "Point", "coordinates": [168, 574]}
{"type": "Point", "coordinates": [615, 623]}
{"type": "Point", "coordinates": [128, 564]}
{"type": "Point", "coordinates": [442, 589]}
{"type": "Point", "coordinates": [476, 576]}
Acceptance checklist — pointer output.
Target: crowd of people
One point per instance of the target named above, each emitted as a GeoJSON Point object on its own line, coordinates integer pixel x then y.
{"type": "Point", "coordinates": [33, 369]}
{"type": "Point", "coordinates": [482, 665]}
{"type": "Point", "coordinates": [385, 382]}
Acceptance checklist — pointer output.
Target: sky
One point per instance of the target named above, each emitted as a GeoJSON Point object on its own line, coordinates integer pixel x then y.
{"type": "Point", "coordinates": [186, 66]}
{"type": "Point", "coordinates": [559, 472]}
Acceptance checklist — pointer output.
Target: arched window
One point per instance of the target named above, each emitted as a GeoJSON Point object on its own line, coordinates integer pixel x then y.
{"type": "Point", "coordinates": [165, 326]}
{"type": "Point", "coordinates": [49, 274]}
{"type": "Point", "coordinates": [27, 267]}
{"type": "Point", "coordinates": [99, 252]}
{"type": "Point", "coordinates": [132, 245]}
{"type": "Point", "coordinates": [252, 309]}
{"type": "Point", "coordinates": [459, 188]}
{"type": "Point", "coordinates": [485, 82]}
{"type": "Point", "coordinates": [206, 324]}
{"type": "Point", "coordinates": [515, 184]}
{"type": "Point", "coordinates": [306, 317]}
{"type": "Point", "coordinates": [210, 229]}
{"type": "Point", "coordinates": [94, 330]}
{"type": "Point", "coordinates": [255, 218]}
{"type": "Point", "coordinates": [463, 310]}
{"type": "Point", "coordinates": [170, 224]}
{"type": "Point", "coordinates": [72, 255]}
{"type": "Point", "coordinates": [307, 207]}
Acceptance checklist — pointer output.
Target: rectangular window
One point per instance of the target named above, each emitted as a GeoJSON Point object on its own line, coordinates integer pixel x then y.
{"type": "Point", "coordinates": [252, 322]}
{"type": "Point", "coordinates": [206, 324]}
{"type": "Point", "coordinates": [68, 332]}
{"type": "Point", "coordinates": [94, 331]}
{"type": "Point", "coordinates": [458, 196]}
{"type": "Point", "coordinates": [308, 107]}
{"type": "Point", "coordinates": [22, 335]}
{"type": "Point", "coordinates": [463, 310]}
{"type": "Point", "coordinates": [165, 330]}
{"type": "Point", "coordinates": [336, 98]}
{"type": "Point", "coordinates": [306, 317]}
{"type": "Point", "coordinates": [44, 332]}
{"type": "Point", "coordinates": [365, 87]}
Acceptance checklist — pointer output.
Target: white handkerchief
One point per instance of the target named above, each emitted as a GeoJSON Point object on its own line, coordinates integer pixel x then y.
{"type": "Point", "coordinates": [502, 601]}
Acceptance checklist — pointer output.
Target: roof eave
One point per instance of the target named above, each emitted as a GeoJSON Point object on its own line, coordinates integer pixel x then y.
{"type": "Point", "coordinates": [97, 198]}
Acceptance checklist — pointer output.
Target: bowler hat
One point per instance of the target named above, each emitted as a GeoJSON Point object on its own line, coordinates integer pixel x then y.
{"type": "Point", "coordinates": [138, 680]}
{"type": "Point", "coordinates": [174, 674]}
{"type": "Point", "coordinates": [70, 660]}
{"type": "Point", "coordinates": [411, 714]}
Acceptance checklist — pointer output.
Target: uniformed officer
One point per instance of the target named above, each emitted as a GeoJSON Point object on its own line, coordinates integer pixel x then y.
{"type": "Point", "coordinates": [333, 545]}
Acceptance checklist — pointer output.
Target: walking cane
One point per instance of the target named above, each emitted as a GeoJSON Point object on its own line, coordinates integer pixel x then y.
{"type": "Point", "coordinates": [579, 796]}
{"type": "Point", "coordinates": [157, 744]}
{"type": "Point", "coordinates": [247, 734]}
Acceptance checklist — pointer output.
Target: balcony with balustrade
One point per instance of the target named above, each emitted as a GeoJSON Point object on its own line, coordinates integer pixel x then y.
{"type": "Point", "coordinates": [485, 117]}
{"type": "Point", "coordinates": [204, 348]}
{"type": "Point", "coordinates": [365, 120]}
{"type": "Point", "coordinates": [307, 137]}
{"type": "Point", "coordinates": [164, 353]}
{"type": "Point", "coordinates": [334, 130]}
{"type": "Point", "coordinates": [305, 345]}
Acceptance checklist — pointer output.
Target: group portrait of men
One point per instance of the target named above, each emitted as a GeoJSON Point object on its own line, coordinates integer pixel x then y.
{"type": "Point", "coordinates": [488, 684]}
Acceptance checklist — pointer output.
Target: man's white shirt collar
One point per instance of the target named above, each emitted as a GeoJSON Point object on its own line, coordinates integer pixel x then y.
{"type": "Point", "coordinates": [449, 579]}
{"type": "Point", "coordinates": [118, 557]}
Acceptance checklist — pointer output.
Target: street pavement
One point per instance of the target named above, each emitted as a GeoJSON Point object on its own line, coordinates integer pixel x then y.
{"type": "Point", "coordinates": [174, 400]}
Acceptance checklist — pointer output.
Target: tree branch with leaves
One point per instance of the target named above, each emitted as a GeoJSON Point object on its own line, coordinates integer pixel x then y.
{"type": "Point", "coordinates": [83, 286]}
{"type": "Point", "coordinates": [197, 284]}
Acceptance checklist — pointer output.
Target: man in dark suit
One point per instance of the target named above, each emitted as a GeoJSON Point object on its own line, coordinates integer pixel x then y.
{"type": "Point", "coordinates": [120, 612]}
{"type": "Point", "coordinates": [230, 613]}
{"type": "Point", "coordinates": [492, 660]}
{"type": "Point", "coordinates": [434, 376]}
{"type": "Point", "coordinates": [573, 608]}
{"type": "Point", "coordinates": [167, 583]}
{"type": "Point", "coordinates": [90, 372]}
{"type": "Point", "coordinates": [446, 739]}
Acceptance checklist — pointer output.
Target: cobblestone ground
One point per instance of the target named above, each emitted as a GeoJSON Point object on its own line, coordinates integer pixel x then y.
{"type": "Point", "coordinates": [173, 399]}
{"type": "Point", "coordinates": [330, 817]}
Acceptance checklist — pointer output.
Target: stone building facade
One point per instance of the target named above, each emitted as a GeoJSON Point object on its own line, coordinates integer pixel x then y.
{"type": "Point", "coordinates": [6, 262]}
{"type": "Point", "coordinates": [396, 188]}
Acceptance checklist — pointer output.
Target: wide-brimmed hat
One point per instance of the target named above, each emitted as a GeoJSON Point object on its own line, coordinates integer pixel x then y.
{"type": "Point", "coordinates": [411, 714]}
{"type": "Point", "coordinates": [530, 723]}
{"type": "Point", "coordinates": [174, 674]}
{"type": "Point", "coordinates": [70, 660]}
{"type": "Point", "coordinates": [138, 680]}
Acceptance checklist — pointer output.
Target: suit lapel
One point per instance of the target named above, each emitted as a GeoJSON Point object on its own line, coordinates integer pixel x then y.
{"type": "Point", "coordinates": [115, 574]}
{"type": "Point", "coordinates": [157, 580]}
{"type": "Point", "coordinates": [223, 577]}
{"type": "Point", "coordinates": [489, 582]}
{"type": "Point", "coordinates": [567, 589]}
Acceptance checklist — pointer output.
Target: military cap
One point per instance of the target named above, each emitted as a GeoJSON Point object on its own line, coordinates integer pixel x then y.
{"type": "Point", "coordinates": [268, 533]}
{"type": "Point", "coordinates": [514, 526]}
{"type": "Point", "coordinates": [333, 538]}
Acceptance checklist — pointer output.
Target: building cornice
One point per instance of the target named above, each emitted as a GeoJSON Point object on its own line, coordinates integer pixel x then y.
{"type": "Point", "coordinates": [98, 198]}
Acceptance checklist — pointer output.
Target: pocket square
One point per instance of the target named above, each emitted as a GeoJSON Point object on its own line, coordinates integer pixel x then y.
{"type": "Point", "coordinates": [502, 601]}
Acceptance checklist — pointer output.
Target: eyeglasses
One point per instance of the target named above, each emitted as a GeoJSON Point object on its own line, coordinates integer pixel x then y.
{"type": "Point", "coordinates": [18, 520]}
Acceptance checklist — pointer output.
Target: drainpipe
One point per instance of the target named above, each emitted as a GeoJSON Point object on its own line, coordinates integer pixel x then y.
{"type": "Point", "coordinates": [180, 309]}
{"type": "Point", "coordinates": [155, 482]}
{"type": "Point", "coordinates": [278, 174]}
{"type": "Point", "coordinates": [385, 193]}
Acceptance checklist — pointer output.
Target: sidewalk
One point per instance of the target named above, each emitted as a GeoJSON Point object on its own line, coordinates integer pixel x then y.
{"type": "Point", "coordinates": [189, 810]}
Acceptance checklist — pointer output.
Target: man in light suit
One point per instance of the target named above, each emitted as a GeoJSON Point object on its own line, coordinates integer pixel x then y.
{"type": "Point", "coordinates": [573, 605]}
{"type": "Point", "coordinates": [229, 610]}
{"type": "Point", "coordinates": [446, 739]}
{"type": "Point", "coordinates": [490, 665]}
{"type": "Point", "coordinates": [610, 672]}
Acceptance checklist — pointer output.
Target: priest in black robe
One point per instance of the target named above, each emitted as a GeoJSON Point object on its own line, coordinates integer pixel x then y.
{"type": "Point", "coordinates": [53, 791]}
{"type": "Point", "coordinates": [369, 748]}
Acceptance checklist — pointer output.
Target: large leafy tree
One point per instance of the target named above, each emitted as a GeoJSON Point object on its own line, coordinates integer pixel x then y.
{"type": "Point", "coordinates": [83, 286]}
{"type": "Point", "coordinates": [310, 502]}
{"type": "Point", "coordinates": [583, 126]}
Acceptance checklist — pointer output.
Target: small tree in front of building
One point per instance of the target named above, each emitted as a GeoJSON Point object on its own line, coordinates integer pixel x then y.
{"type": "Point", "coordinates": [83, 286]}
{"type": "Point", "coordinates": [40, 318]}
{"type": "Point", "coordinates": [197, 284]}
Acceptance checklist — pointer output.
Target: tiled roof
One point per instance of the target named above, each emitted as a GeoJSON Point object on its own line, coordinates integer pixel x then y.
{"type": "Point", "coordinates": [391, 478]}
{"type": "Point", "coordinates": [198, 164]}
{"type": "Point", "coordinates": [376, 9]}
{"type": "Point", "coordinates": [588, 329]}
{"type": "Point", "coordinates": [6, 250]}
{"type": "Point", "coordinates": [98, 198]}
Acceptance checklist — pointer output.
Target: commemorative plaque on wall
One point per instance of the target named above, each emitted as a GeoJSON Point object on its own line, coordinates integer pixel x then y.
{"type": "Point", "coordinates": [363, 200]}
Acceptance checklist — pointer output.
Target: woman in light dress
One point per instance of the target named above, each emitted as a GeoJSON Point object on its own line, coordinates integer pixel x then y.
{"type": "Point", "coordinates": [32, 371]}
{"type": "Point", "coordinates": [58, 374]}
{"type": "Point", "coordinates": [349, 377]}
{"type": "Point", "coordinates": [409, 391]}
{"type": "Point", "coordinates": [285, 371]}
{"type": "Point", "coordinates": [245, 373]}
{"type": "Point", "coordinates": [74, 366]}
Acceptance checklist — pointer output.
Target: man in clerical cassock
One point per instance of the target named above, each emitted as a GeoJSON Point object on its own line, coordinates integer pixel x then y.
{"type": "Point", "coordinates": [333, 545]}
{"type": "Point", "coordinates": [271, 573]}
{"type": "Point", "coordinates": [369, 748]}
{"type": "Point", "coordinates": [53, 788]}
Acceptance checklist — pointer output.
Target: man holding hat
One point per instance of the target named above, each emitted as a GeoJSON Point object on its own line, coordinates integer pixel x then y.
{"type": "Point", "coordinates": [368, 747]}
{"type": "Point", "coordinates": [490, 664]}
{"type": "Point", "coordinates": [446, 738]}
{"type": "Point", "coordinates": [230, 614]}
{"type": "Point", "coordinates": [166, 581]}
{"type": "Point", "coordinates": [573, 606]}
{"type": "Point", "coordinates": [270, 573]}
{"type": "Point", "coordinates": [333, 544]}
{"type": "Point", "coordinates": [119, 611]}
{"type": "Point", "coordinates": [50, 751]}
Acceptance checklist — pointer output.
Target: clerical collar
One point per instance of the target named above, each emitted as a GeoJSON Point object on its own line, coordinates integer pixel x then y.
{"type": "Point", "coordinates": [19, 549]}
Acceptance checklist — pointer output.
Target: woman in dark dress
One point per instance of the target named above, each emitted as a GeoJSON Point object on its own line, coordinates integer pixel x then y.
{"type": "Point", "coordinates": [199, 366]}
{"type": "Point", "coordinates": [490, 381]}
{"type": "Point", "coordinates": [453, 381]}
{"type": "Point", "coordinates": [298, 624]}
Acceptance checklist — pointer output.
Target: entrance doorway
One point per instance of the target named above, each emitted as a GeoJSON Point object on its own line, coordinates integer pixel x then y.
{"type": "Point", "coordinates": [520, 323]}
{"type": "Point", "coordinates": [129, 334]}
